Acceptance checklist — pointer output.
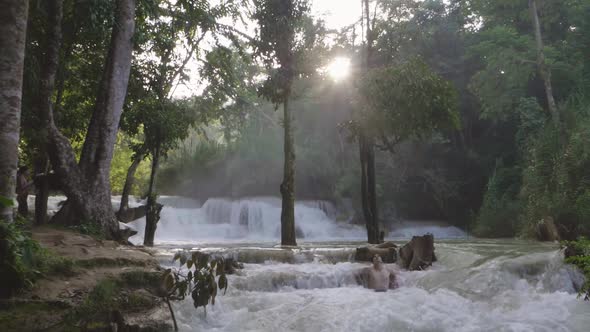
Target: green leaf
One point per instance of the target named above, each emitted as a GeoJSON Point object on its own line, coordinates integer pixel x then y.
{"type": "Point", "coordinates": [169, 282]}
{"type": "Point", "coordinates": [222, 282]}
{"type": "Point", "coordinates": [176, 256]}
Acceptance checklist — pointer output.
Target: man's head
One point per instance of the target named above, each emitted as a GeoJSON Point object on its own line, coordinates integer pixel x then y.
{"type": "Point", "coordinates": [377, 261]}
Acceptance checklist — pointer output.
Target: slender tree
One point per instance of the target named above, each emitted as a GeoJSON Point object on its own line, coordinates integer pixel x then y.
{"type": "Point", "coordinates": [367, 149]}
{"type": "Point", "coordinates": [279, 22]}
{"type": "Point", "coordinates": [544, 72]}
{"type": "Point", "coordinates": [44, 103]}
{"type": "Point", "coordinates": [130, 181]}
{"type": "Point", "coordinates": [13, 31]}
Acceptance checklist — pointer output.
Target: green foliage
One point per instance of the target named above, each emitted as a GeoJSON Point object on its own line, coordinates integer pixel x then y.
{"type": "Point", "coordinates": [122, 158]}
{"type": "Point", "coordinates": [407, 101]}
{"type": "Point", "coordinates": [14, 274]}
{"type": "Point", "coordinates": [578, 254]}
{"type": "Point", "coordinates": [556, 181]}
{"type": "Point", "coordinates": [509, 59]}
{"type": "Point", "coordinates": [498, 216]}
{"type": "Point", "coordinates": [199, 281]}
{"type": "Point", "coordinates": [6, 202]}
{"type": "Point", "coordinates": [281, 40]}
{"type": "Point", "coordinates": [23, 260]}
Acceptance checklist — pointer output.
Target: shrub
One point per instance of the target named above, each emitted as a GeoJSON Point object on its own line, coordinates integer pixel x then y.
{"type": "Point", "coordinates": [23, 260]}
{"type": "Point", "coordinates": [498, 216]}
{"type": "Point", "coordinates": [578, 254]}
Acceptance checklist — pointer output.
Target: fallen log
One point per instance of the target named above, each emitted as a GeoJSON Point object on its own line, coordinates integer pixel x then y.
{"type": "Point", "coordinates": [131, 214]}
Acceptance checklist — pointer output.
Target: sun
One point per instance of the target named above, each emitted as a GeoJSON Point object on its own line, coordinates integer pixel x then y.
{"type": "Point", "coordinates": [339, 68]}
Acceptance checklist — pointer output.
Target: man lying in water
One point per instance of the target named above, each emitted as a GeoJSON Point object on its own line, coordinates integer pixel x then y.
{"type": "Point", "coordinates": [378, 277]}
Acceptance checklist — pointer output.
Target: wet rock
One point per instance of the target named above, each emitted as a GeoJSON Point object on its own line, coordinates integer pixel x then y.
{"type": "Point", "coordinates": [387, 244]}
{"type": "Point", "coordinates": [418, 254]}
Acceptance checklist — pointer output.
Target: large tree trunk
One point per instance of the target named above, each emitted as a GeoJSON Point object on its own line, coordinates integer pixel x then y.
{"type": "Point", "coordinates": [44, 105]}
{"type": "Point", "coordinates": [86, 184]}
{"type": "Point", "coordinates": [544, 72]}
{"type": "Point", "coordinates": [288, 184]}
{"type": "Point", "coordinates": [13, 33]}
{"type": "Point", "coordinates": [153, 211]}
{"type": "Point", "coordinates": [129, 181]}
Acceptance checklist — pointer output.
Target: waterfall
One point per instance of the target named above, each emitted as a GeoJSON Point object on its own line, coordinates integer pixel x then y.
{"type": "Point", "coordinates": [253, 219]}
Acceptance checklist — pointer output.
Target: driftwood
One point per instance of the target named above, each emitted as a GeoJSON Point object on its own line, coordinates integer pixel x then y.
{"type": "Point", "coordinates": [130, 214]}
{"type": "Point", "coordinates": [418, 254]}
{"type": "Point", "coordinates": [386, 250]}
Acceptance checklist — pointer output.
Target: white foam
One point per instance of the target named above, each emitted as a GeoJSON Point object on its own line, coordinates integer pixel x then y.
{"type": "Point", "coordinates": [246, 220]}
{"type": "Point", "coordinates": [495, 293]}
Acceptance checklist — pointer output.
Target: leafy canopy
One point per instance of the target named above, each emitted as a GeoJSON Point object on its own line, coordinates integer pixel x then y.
{"type": "Point", "coordinates": [280, 42]}
{"type": "Point", "coordinates": [407, 101]}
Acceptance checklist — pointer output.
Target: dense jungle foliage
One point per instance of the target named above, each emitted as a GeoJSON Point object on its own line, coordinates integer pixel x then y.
{"type": "Point", "coordinates": [513, 158]}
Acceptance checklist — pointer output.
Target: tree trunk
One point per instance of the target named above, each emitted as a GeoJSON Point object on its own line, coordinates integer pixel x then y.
{"type": "Point", "coordinates": [44, 105]}
{"type": "Point", "coordinates": [129, 181]}
{"type": "Point", "coordinates": [372, 193]}
{"type": "Point", "coordinates": [41, 189]}
{"type": "Point", "coordinates": [13, 33]}
{"type": "Point", "coordinates": [368, 192]}
{"type": "Point", "coordinates": [367, 156]}
{"type": "Point", "coordinates": [544, 72]}
{"type": "Point", "coordinates": [87, 184]}
{"type": "Point", "coordinates": [288, 184]}
{"type": "Point", "coordinates": [153, 215]}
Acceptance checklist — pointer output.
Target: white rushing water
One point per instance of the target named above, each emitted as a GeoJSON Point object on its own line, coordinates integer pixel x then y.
{"type": "Point", "coordinates": [257, 219]}
{"type": "Point", "coordinates": [475, 286]}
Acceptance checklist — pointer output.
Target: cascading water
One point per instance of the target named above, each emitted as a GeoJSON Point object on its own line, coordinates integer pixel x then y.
{"type": "Point", "coordinates": [474, 286]}
{"type": "Point", "coordinates": [257, 219]}
{"type": "Point", "coordinates": [247, 220]}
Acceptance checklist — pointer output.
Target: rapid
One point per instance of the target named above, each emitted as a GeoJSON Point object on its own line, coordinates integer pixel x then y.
{"type": "Point", "coordinates": [476, 284]}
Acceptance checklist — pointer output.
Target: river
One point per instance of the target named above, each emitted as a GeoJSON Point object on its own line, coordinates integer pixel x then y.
{"type": "Point", "coordinates": [476, 284]}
